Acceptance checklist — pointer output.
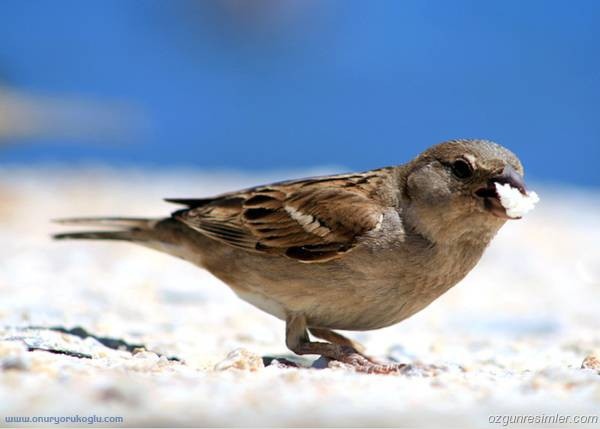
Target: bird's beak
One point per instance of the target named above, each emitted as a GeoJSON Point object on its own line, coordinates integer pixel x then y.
{"type": "Point", "coordinates": [490, 195]}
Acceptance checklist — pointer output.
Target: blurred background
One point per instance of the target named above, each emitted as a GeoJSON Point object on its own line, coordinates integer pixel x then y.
{"type": "Point", "coordinates": [292, 84]}
{"type": "Point", "coordinates": [106, 107]}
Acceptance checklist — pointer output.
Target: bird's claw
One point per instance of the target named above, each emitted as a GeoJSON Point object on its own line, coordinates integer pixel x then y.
{"type": "Point", "coordinates": [367, 365]}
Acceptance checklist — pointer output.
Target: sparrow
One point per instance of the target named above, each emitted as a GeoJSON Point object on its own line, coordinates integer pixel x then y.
{"type": "Point", "coordinates": [356, 252]}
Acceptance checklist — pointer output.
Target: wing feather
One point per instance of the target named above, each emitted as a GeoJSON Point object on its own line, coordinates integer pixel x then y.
{"type": "Point", "coordinates": [314, 220]}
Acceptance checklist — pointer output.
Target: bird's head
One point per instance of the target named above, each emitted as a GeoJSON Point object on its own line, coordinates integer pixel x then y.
{"type": "Point", "coordinates": [457, 186]}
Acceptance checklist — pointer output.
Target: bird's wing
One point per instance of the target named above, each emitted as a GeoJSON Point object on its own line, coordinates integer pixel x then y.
{"type": "Point", "coordinates": [313, 220]}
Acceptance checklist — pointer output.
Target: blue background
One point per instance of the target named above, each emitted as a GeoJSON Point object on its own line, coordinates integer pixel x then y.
{"type": "Point", "coordinates": [295, 84]}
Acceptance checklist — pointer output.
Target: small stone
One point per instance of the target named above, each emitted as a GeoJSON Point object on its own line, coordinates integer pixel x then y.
{"type": "Point", "coordinates": [281, 363]}
{"type": "Point", "coordinates": [591, 362]}
{"type": "Point", "coordinates": [150, 356]}
{"type": "Point", "coordinates": [321, 363]}
{"type": "Point", "coordinates": [13, 355]}
{"type": "Point", "coordinates": [241, 359]}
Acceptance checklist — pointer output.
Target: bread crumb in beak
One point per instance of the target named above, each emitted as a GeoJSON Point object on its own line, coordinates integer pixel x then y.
{"type": "Point", "coordinates": [515, 203]}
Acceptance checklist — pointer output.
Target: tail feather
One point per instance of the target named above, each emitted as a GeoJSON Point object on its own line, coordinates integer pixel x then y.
{"type": "Point", "coordinates": [114, 222]}
{"type": "Point", "coordinates": [130, 229]}
{"type": "Point", "coordinates": [95, 235]}
{"type": "Point", "coordinates": [167, 235]}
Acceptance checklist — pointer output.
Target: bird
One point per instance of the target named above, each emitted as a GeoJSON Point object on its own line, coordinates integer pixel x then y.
{"type": "Point", "coordinates": [356, 252]}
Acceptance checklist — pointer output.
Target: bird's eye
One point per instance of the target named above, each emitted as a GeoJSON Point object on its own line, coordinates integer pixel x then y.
{"type": "Point", "coordinates": [462, 169]}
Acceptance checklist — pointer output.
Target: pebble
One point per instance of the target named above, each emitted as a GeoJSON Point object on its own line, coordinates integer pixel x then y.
{"type": "Point", "coordinates": [14, 355]}
{"type": "Point", "coordinates": [241, 359]}
{"type": "Point", "coordinates": [591, 362]}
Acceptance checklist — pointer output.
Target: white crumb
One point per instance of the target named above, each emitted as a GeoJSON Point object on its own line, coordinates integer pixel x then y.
{"type": "Point", "coordinates": [515, 203]}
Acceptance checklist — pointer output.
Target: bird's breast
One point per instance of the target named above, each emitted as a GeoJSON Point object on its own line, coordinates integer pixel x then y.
{"type": "Point", "coordinates": [371, 287]}
{"type": "Point", "coordinates": [263, 302]}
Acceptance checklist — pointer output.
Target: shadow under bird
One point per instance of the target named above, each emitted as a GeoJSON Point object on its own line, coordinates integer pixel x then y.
{"type": "Point", "coordinates": [354, 252]}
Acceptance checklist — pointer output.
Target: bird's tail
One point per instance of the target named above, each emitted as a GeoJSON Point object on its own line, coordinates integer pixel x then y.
{"type": "Point", "coordinates": [128, 229]}
{"type": "Point", "coordinates": [166, 235]}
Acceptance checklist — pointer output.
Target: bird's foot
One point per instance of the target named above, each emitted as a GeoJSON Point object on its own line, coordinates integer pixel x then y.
{"type": "Point", "coordinates": [342, 351]}
{"type": "Point", "coordinates": [359, 364]}
{"type": "Point", "coordinates": [366, 365]}
{"type": "Point", "coordinates": [351, 359]}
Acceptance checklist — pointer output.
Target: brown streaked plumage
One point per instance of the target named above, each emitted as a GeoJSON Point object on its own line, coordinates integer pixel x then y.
{"type": "Point", "coordinates": [355, 251]}
{"type": "Point", "coordinates": [313, 220]}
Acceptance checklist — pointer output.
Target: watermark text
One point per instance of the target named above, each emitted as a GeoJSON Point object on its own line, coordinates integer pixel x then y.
{"type": "Point", "coordinates": [544, 419]}
{"type": "Point", "coordinates": [57, 420]}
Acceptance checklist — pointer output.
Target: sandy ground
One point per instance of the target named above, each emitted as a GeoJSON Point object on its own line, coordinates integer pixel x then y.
{"type": "Point", "coordinates": [512, 336]}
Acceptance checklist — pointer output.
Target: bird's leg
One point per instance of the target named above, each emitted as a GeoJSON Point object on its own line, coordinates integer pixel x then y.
{"type": "Point", "coordinates": [298, 341]}
{"type": "Point", "coordinates": [335, 338]}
